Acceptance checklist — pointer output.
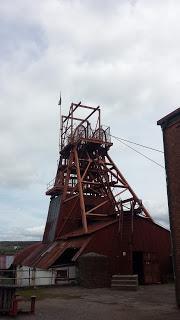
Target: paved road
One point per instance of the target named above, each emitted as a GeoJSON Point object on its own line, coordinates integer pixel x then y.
{"type": "Point", "coordinates": [155, 302]}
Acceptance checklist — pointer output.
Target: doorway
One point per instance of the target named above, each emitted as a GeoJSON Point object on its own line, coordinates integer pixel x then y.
{"type": "Point", "coordinates": [138, 265]}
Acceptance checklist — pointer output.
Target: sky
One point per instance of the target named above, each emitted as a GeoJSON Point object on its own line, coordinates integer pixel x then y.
{"type": "Point", "coordinates": [121, 55]}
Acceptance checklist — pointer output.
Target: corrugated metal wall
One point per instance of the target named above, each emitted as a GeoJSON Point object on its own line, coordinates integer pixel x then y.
{"type": "Point", "coordinates": [6, 261]}
{"type": "Point", "coordinates": [147, 237]}
{"type": "Point", "coordinates": [51, 223]}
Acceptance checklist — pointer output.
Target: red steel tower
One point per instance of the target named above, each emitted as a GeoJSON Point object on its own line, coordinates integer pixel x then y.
{"type": "Point", "coordinates": [88, 187]}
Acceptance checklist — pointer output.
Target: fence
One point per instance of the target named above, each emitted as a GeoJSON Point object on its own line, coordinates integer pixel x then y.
{"type": "Point", "coordinates": [24, 277]}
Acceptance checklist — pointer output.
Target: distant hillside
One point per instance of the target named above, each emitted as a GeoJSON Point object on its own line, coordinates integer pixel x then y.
{"type": "Point", "coordinates": [11, 247]}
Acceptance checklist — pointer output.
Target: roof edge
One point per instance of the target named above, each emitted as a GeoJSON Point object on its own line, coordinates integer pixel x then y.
{"type": "Point", "coordinates": [169, 117]}
{"type": "Point", "coordinates": [80, 234]}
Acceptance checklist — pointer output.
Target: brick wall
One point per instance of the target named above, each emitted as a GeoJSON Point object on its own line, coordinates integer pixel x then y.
{"type": "Point", "coordinates": [171, 137]}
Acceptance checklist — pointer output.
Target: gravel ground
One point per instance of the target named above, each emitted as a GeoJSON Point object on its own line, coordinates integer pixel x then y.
{"type": "Point", "coordinates": [155, 302]}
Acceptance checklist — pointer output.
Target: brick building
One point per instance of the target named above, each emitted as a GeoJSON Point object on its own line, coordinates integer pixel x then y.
{"type": "Point", "coordinates": [171, 135]}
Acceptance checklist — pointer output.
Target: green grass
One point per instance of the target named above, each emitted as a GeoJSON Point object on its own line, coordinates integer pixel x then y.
{"type": "Point", "coordinates": [44, 293]}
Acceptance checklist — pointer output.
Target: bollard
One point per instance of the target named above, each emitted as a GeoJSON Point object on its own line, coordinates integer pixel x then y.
{"type": "Point", "coordinates": [14, 310]}
{"type": "Point", "coordinates": [33, 302]}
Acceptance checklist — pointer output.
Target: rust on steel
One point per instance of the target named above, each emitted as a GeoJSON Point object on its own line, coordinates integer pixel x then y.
{"type": "Point", "coordinates": [91, 186]}
{"type": "Point", "coordinates": [92, 206]}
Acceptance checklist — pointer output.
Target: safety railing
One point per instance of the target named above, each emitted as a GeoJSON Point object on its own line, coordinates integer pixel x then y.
{"type": "Point", "coordinates": [36, 277]}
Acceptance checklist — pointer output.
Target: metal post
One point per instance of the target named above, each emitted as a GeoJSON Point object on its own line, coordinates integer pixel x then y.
{"type": "Point", "coordinates": [33, 302]}
{"type": "Point", "coordinates": [82, 205]}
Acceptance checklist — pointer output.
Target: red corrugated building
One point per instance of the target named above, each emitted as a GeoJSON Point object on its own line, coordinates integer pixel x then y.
{"type": "Point", "coordinates": [94, 209]}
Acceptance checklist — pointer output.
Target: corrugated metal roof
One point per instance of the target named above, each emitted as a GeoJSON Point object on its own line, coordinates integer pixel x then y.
{"type": "Point", "coordinates": [25, 253]}
{"type": "Point", "coordinates": [44, 255]}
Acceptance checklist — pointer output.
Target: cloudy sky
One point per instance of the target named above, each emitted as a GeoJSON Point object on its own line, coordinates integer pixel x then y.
{"type": "Point", "coordinates": [119, 54]}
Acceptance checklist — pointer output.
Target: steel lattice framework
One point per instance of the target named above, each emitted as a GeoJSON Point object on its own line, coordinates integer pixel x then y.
{"type": "Point", "coordinates": [91, 186]}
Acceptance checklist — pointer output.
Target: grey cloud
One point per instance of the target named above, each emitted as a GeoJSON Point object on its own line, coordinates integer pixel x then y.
{"type": "Point", "coordinates": [21, 215]}
{"type": "Point", "coordinates": [18, 234]}
{"type": "Point", "coordinates": [159, 212]}
{"type": "Point", "coordinates": [34, 232]}
{"type": "Point", "coordinates": [121, 55]}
